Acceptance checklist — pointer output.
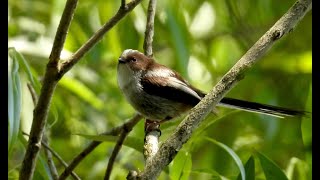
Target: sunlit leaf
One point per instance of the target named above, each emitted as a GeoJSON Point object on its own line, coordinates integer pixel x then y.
{"type": "Point", "coordinates": [270, 169]}
{"type": "Point", "coordinates": [305, 62]}
{"type": "Point", "coordinates": [298, 168]}
{"type": "Point", "coordinates": [234, 156]}
{"type": "Point", "coordinates": [290, 63]}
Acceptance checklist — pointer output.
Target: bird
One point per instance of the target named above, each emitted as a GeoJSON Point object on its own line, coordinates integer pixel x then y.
{"type": "Point", "coordinates": [160, 94]}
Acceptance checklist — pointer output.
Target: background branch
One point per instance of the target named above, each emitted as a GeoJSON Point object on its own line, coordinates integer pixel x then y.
{"type": "Point", "coordinates": [174, 143]}
{"type": "Point", "coordinates": [115, 131]}
{"type": "Point", "coordinates": [56, 155]}
{"type": "Point", "coordinates": [148, 35]}
{"type": "Point", "coordinates": [52, 167]}
{"type": "Point", "coordinates": [33, 93]}
{"type": "Point", "coordinates": [115, 152]}
{"type": "Point", "coordinates": [66, 66]}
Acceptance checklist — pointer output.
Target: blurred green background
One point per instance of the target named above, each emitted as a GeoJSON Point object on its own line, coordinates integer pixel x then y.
{"type": "Point", "coordinates": [200, 39]}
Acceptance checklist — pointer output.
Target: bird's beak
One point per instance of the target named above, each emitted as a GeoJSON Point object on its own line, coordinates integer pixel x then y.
{"type": "Point", "coordinates": [122, 61]}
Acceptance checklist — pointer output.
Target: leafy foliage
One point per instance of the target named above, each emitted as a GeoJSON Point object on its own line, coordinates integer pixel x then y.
{"type": "Point", "coordinates": [271, 170]}
{"type": "Point", "coordinates": [199, 39]}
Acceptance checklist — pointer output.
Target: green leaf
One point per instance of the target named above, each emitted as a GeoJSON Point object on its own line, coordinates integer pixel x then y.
{"type": "Point", "coordinates": [82, 91]}
{"type": "Point", "coordinates": [14, 101]}
{"type": "Point", "coordinates": [298, 169]}
{"type": "Point", "coordinates": [181, 166]}
{"type": "Point", "coordinates": [25, 67]}
{"type": "Point", "coordinates": [232, 154]}
{"type": "Point", "coordinates": [131, 142]}
{"type": "Point", "coordinates": [270, 169]}
{"type": "Point", "coordinates": [250, 169]}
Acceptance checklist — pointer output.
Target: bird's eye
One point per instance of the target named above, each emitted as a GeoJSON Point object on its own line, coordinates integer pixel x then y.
{"type": "Point", "coordinates": [133, 60]}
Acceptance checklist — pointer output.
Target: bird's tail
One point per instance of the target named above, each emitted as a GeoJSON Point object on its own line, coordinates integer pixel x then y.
{"type": "Point", "coordinates": [260, 108]}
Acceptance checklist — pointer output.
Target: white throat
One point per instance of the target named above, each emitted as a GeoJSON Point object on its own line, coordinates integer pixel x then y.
{"type": "Point", "coordinates": [127, 77]}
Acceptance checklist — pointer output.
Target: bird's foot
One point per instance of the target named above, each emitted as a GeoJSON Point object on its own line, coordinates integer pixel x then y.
{"type": "Point", "coordinates": [152, 125]}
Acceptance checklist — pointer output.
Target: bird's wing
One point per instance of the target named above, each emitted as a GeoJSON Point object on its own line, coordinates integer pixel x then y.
{"type": "Point", "coordinates": [171, 88]}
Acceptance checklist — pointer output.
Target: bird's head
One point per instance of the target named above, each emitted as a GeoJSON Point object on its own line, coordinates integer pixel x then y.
{"type": "Point", "coordinates": [133, 60]}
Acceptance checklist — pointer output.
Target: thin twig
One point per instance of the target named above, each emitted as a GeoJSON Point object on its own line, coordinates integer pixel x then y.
{"type": "Point", "coordinates": [62, 31]}
{"type": "Point", "coordinates": [42, 108]}
{"type": "Point", "coordinates": [115, 131]}
{"type": "Point", "coordinates": [148, 35]}
{"type": "Point", "coordinates": [56, 155]}
{"type": "Point", "coordinates": [52, 167]}
{"type": "Point", "coordinates": [67, 65]}
{"type": "Point", "coordinates": [174, 143]}
{"type": "Point", "coordinates": [115, 152]}
{"type": "Point", "coordinates": [33, 94]}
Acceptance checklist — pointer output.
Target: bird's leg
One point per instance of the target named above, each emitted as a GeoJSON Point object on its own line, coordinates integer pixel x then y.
{"type": "Point", "coordinates": [152, 125]}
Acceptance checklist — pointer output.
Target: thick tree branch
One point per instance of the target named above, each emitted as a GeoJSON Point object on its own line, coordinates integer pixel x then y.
{"type": "Point", "coordinates": [62, 31]}
{"type": "Point", "coordinates": [123, 10]}
{"type": "Point", "coordinates": [38, 124]}
{"type": "Point", "coordinates": [115, 131]}
{"type": "Point", "coordinates": [174, 143]}
{"type": "Point", "coordinates": [54, 73]}
{"type": "Point", "coordinates": [42, 108]}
